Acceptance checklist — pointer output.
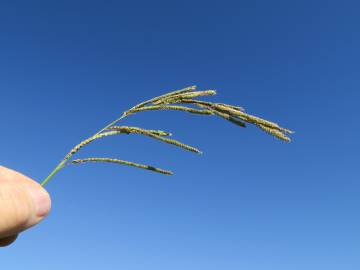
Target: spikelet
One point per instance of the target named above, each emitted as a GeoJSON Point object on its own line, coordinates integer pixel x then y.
{"type": "Point", "coordinates": [122, 162]}
{"type": "Point", "coordinates": [276, 133]}
{"type": "Point", "coordinates": [250, 118]}
{"type": "Point", "coordinates": [226, 116]}
{"type": "Point", "coordinates": [90, 140]}
{"type": "Point", "coordinates": [167, 107]}
{"type": "Point", "coordinates": [136, 130]}
{"type": "Point", "coordinates": [178, 98]}
{"type": "Point", "coordinates": [233, 114]}
{"type": "Point", "coordinates": [232, 106]}
{"type": "Point", "coordinates": [260, 121]}
{"type": "Point", "coordinates": [160, 133]}
{"type": "Point", "coordinates": [125, 129]}
{"type": "Point", "coordinates": [176, 92]}
{"type": "Point", "coordinates": [231, 119]}
{"type": "Point", "coordinates": [247, 117]}
{"type": "Point", "coordinates": [155, 99]}
{"type": "Point", "coordinates": [176, 143]}
{"type": "Point", "coordinates": [198, 103]}
{"type": "Point", "coordinates": [269, 127]}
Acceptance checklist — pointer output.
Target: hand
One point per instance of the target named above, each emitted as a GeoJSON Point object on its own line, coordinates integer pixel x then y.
{"type": "Point", "coordinates": [23, 203]}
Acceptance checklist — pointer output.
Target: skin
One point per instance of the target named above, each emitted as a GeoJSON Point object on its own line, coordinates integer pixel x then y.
{"type": "Point", "coordinates": [23, 204]}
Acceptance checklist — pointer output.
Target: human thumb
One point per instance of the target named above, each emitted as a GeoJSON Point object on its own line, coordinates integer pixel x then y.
{"type": "Point", "coordinates": [23, 203]}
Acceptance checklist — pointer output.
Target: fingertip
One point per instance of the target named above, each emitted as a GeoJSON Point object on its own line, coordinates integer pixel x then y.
{"type": "Point", "coordinates": [23, 202]}
{"type": "Point", "coordinates": [41, 200]}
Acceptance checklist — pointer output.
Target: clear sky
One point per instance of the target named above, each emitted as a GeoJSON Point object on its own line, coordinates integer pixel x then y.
{"type": "Point", "coordinates": [250, 202]}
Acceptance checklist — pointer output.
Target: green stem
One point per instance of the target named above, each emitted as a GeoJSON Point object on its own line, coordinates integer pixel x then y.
{"type": "Point", "coordinates": [52, 174]}
{"type": "Point", "coordinates": [62, 164]}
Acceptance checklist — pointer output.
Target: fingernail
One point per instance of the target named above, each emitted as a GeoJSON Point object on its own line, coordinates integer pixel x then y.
{"type": "Point", "coordinates": [41, 200]}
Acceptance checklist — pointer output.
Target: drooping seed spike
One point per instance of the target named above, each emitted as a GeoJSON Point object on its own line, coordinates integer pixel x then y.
{"type": "Point", "coordinates": [185, 90]}
{"type": "Point", "coordinates": [245, 116]}
{"type": "Point", "coordinates": [198, 103]}
{"type": "Point", "coordinates": [122, 162]}
{"type": "Point", "coordinates": [145, 132]}
{"type": "Point", "coordinates": [229, 113]}
{"type": "Point", "coordinates": [228, 117]}
{"type": "Point", "coordinates": [90, 140]}
{"type": "Point", "coordinates": [176, 143]}
{"type": "Point", "coordinates": [179, 97]}
{"type": "Point", "coordinates": [176, 108]}
{"type": "Point", "coordinates": [127, 130]}
{"type": "Point", "coordinates": [232, 106]}
{"type": "Point", "coordinates": [231, 119]}
{"type": "Point", "coordinates": [160, 133]}
{"type": "Point", "coordinates": [276, 133]}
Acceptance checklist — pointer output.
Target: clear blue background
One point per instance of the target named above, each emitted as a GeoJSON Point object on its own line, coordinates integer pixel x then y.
{"type": "Point", "coordinates": [250, 202]}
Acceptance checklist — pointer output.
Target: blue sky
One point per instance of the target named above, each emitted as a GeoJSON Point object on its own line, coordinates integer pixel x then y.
{"type": "Point", "coordinates": [250, 202]}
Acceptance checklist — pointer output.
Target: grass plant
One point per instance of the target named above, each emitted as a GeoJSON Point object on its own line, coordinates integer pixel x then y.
{"type": "Point", "coordinates": [185, 100]}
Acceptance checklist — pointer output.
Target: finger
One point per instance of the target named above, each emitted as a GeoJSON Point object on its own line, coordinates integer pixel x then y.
{"type": "Point", "coordinates": [23, 202]}
{"type": "Point", "coordinates": [9, 175]}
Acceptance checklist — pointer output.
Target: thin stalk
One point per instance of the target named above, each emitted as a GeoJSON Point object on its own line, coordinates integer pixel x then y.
{"type": "Point", "coordinates": [68, 156]}
{"type": "Point", "coordinates": [54, 172]}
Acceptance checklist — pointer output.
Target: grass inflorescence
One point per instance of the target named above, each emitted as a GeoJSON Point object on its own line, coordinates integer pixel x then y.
{"type": "Point", "coordinates": [185, 100]}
